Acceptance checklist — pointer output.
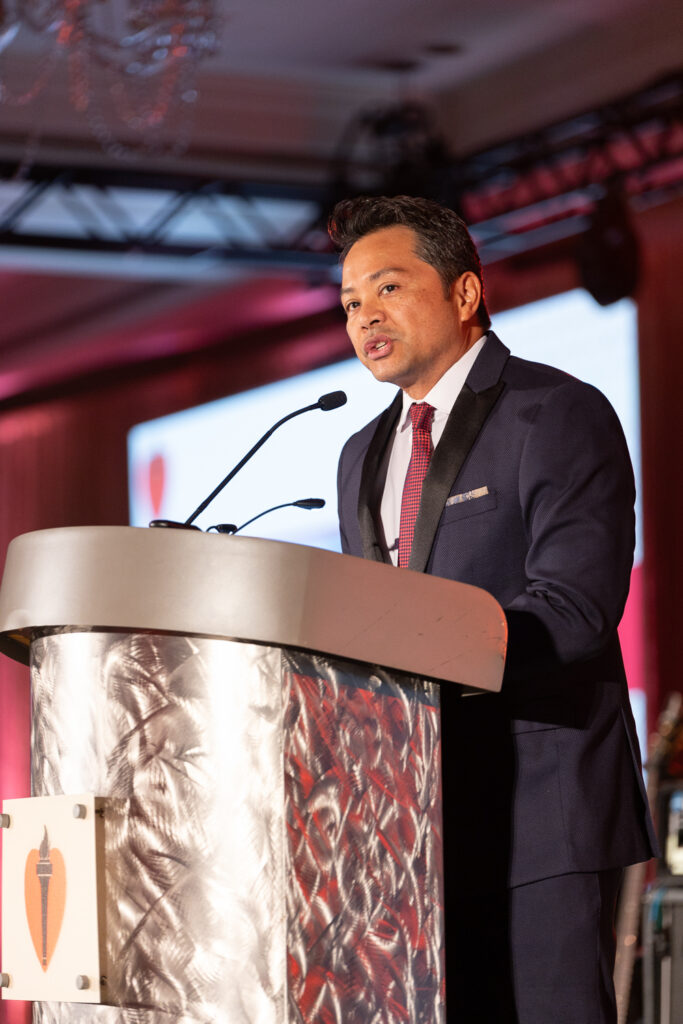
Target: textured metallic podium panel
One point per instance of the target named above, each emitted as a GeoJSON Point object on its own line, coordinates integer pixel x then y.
{"type": "Point", "coordinates": [185, 739]}
{"type": "Point", "coordinates": [272, 832]}
{"type": "Point", "coordinates": [365, 894]}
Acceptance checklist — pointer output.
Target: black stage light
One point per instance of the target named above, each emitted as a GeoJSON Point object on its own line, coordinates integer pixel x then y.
{"type": "Point", "coordinates": [608, 253]}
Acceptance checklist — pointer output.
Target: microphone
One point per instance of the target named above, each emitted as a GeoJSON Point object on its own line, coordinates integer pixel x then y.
{"type": "Point", "coordinates": [301, 503]}
{"type": "Point", "coordinates": [333, 400]}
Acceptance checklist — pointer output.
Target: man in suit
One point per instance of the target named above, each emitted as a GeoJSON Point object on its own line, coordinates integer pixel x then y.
{"type": "Point", "coordinates": [514, 477]}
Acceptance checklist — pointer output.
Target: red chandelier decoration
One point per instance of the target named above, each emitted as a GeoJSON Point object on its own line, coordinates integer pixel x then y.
{"type": "Point", "coordinates": [132, 64]}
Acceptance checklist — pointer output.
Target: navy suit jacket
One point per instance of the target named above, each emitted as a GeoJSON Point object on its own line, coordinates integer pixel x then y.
{"type": "Point", "coordinates": [546, 774]}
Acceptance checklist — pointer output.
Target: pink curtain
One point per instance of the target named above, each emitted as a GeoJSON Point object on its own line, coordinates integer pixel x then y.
{"type": "Point", "coordinates": [660, 328]}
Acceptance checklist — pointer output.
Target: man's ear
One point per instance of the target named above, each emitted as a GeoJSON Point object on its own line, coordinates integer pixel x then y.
{"type": "Point", "coordinates": [466, 295]}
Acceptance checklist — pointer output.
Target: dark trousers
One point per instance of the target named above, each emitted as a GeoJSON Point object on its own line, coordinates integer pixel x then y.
{"type": "Point", "coordinates": [541, 953]}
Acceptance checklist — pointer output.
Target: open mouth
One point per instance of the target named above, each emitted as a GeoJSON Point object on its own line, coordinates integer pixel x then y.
{"type": "Point", "coordinates": [380, 345]}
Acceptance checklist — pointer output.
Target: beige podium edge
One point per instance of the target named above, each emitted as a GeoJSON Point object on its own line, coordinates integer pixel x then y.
{"type": "Point", "coordinates": [244, 588]}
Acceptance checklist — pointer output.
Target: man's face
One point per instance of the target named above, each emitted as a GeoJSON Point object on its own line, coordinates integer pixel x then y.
{"type": "Point", "coordinates": [401, 324]}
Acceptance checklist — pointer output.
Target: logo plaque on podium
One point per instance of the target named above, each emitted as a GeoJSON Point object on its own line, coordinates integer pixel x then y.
{"type": "Point", "coordinates": [51, 934]}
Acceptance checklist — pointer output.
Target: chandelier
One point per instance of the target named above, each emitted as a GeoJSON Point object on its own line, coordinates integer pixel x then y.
{"type": "Point", "coordinates": [131, 64]}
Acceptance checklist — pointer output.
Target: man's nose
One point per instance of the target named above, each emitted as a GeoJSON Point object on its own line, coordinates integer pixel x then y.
{"type": "Point", "coordinates": [372, 316]}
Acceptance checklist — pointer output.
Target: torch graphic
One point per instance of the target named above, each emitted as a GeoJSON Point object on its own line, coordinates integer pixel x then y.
{"type": "Point", "coordinates": [44, 872]}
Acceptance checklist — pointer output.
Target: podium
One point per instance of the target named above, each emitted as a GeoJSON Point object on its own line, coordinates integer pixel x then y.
{"type": "Point", "coordinates": [260, 724]}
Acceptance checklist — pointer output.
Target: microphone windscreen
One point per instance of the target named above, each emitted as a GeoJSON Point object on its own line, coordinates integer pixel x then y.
{"type": "Point", "coordinates": [310, 503]}
{"type": "Point", "coordinates": [332, 401]}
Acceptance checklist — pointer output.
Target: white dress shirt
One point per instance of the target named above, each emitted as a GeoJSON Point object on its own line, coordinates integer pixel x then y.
{"type": "Point", "coordinates": [442, 397]}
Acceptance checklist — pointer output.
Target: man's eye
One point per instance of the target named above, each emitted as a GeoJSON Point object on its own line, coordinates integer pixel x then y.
{"type": "Point", "coordinates": [389, 287]}
{"type": "Point", "coordinates": [350, 306]}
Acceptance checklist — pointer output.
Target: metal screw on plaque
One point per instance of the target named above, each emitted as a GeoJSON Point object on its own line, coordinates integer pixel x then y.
{"type": "Point", "coordinates": [4, 981]}
{"type": "Point", "coordinates": [82, 982]}
{"type": "Point", "coordinates": [80, 811]}
{"type": "Point", "coordinates": [5, 821]}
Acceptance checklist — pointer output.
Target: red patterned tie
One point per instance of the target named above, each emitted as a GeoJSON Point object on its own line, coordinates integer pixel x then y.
{"type": "Point", "coordinates": [421, 416]}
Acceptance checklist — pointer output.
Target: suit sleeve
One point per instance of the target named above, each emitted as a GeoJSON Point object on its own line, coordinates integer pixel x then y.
{"type": "Point", "coordinates": [576, 492]}
{"type": "Point", "coordinates": [341, 491]}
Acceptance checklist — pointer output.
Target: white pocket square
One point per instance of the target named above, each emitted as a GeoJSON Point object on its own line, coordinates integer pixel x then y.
{"type": "Point", "coordinates": [478, 492]}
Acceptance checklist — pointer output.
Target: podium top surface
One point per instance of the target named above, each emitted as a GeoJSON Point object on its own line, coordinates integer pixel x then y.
{"type": "Point", "coordinates": [245, 588]}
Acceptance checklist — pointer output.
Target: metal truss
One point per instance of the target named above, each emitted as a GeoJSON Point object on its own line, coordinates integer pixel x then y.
{"type": "Point", "coordinates": [517, 196]}
{"type": "Point", "coordinates": [547, 184]}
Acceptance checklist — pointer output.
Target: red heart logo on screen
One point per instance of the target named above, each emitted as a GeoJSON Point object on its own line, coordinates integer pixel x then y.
{"type": "Point", "coordinates": [157, 481]}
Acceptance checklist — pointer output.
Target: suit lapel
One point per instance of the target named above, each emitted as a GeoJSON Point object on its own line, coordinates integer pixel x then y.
{"type": "Point", "coordinates": [372, 480]}
{"type": "Point", "coordinates": [468, 415]}
{"type": "Point", "coordinates": [466, 419]}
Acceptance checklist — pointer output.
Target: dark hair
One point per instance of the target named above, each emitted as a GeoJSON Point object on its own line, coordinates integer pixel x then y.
{"type": "Point", "coordinates": [443, 240]}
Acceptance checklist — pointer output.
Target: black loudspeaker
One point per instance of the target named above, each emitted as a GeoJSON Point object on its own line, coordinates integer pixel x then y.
{"type": "Point", "coordinates": [608, 254]}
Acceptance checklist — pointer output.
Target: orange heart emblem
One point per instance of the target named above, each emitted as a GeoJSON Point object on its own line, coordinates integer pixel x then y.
{"type": "Point", "coordinates": [45, 898]}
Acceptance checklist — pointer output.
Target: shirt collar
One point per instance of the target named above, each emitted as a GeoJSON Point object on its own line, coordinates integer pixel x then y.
{"type": "Point", "coordinates": [444, 393]}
